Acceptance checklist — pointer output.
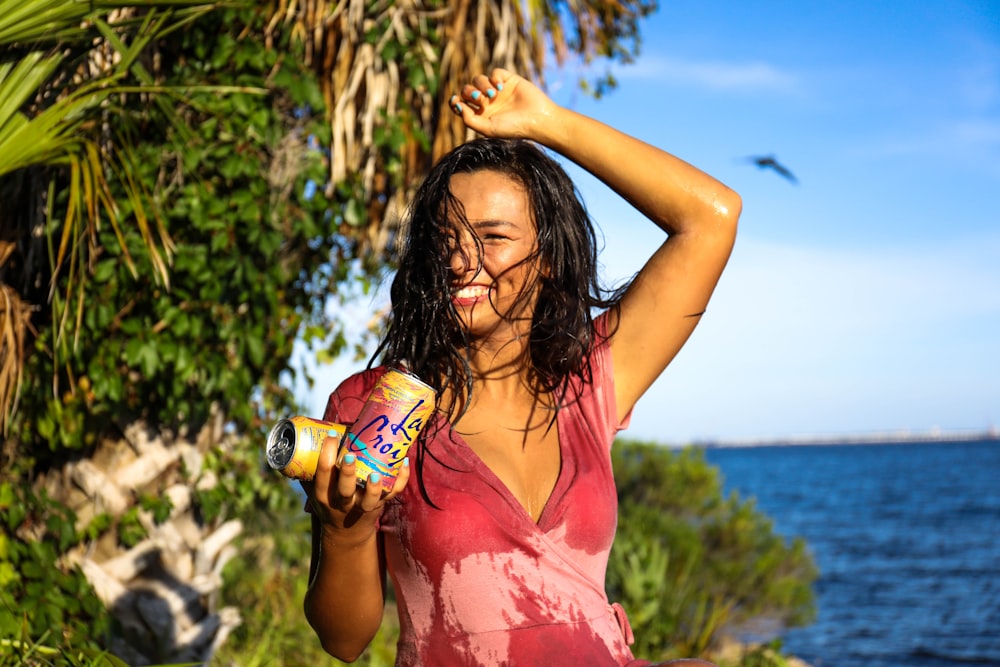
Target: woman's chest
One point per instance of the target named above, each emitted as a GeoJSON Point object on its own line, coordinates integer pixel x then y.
{"type": "Point", "coordinates": [526, 459]}
{"type": "Point", "coordinates": [455, 507]}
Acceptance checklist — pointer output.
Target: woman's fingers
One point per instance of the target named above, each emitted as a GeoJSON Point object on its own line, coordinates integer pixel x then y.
{"type": "Point", "coordinates": [371, 496]}
{"type": "Point", "coordinates": [326, 470]}
{"type": "Point", "coordinates": [477, 94]}
{"type": "Point", "coordinates": [402, 477]}
{"type": "Point", "coordinates": [347, 482]}
{"type": "Point", "coordinates": [498, 76]}
{"type": "Point", "coordinates": [337, 488]}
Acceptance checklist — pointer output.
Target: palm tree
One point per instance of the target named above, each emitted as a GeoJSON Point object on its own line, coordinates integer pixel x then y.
{"type": "Point", "coordinates": [389, 67]}
{"type": "Point", "coordinates": [55, 89]}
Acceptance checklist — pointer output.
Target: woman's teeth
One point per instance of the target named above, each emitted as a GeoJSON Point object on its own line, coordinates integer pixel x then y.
{"type": "Point", "coordinates": [471, 292]}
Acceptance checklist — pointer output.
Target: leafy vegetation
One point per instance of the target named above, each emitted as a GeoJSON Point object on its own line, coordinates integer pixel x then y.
{"type": "Point", "coordinates": [39, 597]}
{"type": "Point", "coordinates": [690, 564]}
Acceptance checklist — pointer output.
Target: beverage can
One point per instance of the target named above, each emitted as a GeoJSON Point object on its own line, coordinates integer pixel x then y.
{"type": "Point", "coordinates": [398, 408]}
{"type": "Point", "coordinates": [294, 444]}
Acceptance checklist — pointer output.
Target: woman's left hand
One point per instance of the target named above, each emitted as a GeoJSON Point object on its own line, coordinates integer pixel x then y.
{"type": "Point", "coordinates": [504, 105]}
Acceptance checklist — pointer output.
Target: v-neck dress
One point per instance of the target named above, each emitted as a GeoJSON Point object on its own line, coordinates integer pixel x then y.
{"type": "Point", "coordinates": [477, 580]}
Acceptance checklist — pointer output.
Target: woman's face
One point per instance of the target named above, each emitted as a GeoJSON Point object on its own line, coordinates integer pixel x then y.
{"type": "Point", "coordinates": [495, 285]}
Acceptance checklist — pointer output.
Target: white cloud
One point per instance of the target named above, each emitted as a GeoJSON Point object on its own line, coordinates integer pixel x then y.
{"type": "Point", "coordinates": [712, 75]}
{"type": "Point", "coordinates": [969, 144]}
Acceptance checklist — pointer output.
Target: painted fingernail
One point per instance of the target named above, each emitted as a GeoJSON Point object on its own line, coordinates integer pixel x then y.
{"type": "Point", "coordinates": [499, 86]}
{"type": "Point", "coordinates": [375, 478]}
{"type": "Point", "coordinates": [458, 108]}
{"type": "Point", "coordinates": [475, 94]}
{"type": "Point", "coordinates": [406, 463]}
{"type": "Point", "coordinates": [349, 459]}
{"type": "Point", "coordinates": [491, 93]}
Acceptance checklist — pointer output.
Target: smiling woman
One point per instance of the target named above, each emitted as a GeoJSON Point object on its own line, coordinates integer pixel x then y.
{"type": "Point", "coordinates": [499, 549]}
{"type": "Point", "coordinates": [495, 261]}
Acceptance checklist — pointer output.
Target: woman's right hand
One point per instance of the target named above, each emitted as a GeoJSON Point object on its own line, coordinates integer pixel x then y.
{"type": "Point", "coordinates": [505, 105]}
{"type": "Point", "coordinates": [341, 505]}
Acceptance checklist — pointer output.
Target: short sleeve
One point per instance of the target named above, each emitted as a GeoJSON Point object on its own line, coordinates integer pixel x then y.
{"type": "Point", "coordinates": [345, 402]}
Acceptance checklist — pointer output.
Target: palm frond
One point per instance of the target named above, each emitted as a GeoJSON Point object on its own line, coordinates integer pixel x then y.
{"type": "Point", "coordinates": [68, 61]}
{"type": "Point", "coordinates": [29, 21]}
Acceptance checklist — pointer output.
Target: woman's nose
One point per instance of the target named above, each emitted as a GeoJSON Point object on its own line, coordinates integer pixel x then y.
{"type": "Point", "coordinates": [464, 257]}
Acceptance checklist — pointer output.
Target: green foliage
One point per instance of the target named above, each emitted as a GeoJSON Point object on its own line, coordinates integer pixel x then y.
{"type": "Point", "coordinates": [765, 655]}
{"type": "Point", "coordinates": [688, 563]}
{"type": "Point", "coordinates": [248, 252]}
{"type": "Point", "coordinates": [40, 597]}
{"type": "Point", "coordinates": [269, 586]}
{"type": "Point", "coordinates": [25, 653]}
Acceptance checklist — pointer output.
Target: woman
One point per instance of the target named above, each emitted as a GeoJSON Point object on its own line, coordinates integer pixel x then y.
{"type": "Point", "coordinates": [498, 549]}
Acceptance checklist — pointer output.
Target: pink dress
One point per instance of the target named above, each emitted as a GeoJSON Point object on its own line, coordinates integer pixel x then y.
{"type": "Point", "coordinates": [477, 581]}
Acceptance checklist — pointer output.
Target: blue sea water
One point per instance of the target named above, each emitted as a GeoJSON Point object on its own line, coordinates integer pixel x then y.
{"type": "Point", "coordinates": [907, 540]}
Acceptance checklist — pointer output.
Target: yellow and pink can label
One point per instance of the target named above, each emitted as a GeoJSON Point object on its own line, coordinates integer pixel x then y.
{"type": "Point", "coordinates": [398, 408]}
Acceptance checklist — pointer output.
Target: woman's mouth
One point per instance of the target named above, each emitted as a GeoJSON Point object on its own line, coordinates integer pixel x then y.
{"type": "Point", "coordinates": [469, 294]}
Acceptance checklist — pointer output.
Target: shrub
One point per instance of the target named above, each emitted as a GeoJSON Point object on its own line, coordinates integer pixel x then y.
{"type": "Point", "coordinates": [689, 564]}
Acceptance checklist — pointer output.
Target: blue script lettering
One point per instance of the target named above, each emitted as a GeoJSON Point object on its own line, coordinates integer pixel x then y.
{"type": "Point", "coordinates": [373, 435]}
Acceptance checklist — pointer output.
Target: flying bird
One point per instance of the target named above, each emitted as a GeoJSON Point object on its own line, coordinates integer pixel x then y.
{"type": "Point", "coordinates": [768, 162]}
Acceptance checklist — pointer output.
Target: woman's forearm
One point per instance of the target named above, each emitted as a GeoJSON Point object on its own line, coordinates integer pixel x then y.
{"type": "Point", "coordinates": [346, 597]}
{"type": "Point", "coordinates": [677, 196]}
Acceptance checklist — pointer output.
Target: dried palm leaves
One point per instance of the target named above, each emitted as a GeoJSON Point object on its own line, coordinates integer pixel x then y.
{"type": "Point", "coordinates": [15, 324]}
{"type": "Point", "coordinates": [381, 62]}
{"type": "Point", "coordinates": [386, 63]}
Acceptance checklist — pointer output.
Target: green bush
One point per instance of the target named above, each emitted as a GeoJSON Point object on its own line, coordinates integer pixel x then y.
{"type": "Point", "coordinates": [690, 565]}
{"type": "Point", "coordinates": [269, 587]}
{"type": "Point", "coordinates": [42, 601]}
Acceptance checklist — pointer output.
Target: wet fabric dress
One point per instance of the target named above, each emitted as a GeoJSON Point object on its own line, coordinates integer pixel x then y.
{"type": "Point", "coordinates": [477, 581]}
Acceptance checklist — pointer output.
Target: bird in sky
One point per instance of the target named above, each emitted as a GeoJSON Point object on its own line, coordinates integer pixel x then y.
{"type": "Point", "coordinates": [769, 162]}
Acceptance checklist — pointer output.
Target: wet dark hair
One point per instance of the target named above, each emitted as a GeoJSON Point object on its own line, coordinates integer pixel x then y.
{"type": "Point", "coordinates": [425, 334]}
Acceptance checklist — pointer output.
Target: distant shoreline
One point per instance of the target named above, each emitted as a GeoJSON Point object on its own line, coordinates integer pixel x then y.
{"type": "Point", "coordinates": [901, 437]}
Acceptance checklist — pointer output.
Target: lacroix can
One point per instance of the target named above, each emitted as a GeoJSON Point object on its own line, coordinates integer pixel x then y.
{"type": "Point", "coordinates": [398, 408]}
{"type": "Point", "coordinates": [294, 444]}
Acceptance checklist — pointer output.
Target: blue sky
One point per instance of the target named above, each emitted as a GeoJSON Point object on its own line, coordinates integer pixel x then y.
{"type": "Point", "coordinates": [866, 298]}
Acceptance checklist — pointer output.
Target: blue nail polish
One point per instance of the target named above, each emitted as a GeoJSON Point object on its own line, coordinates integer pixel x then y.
{"type": "Point", "coordinates": [349, 458]}
{"type": "Point", "coordinates": [406, 463]}
{"type": "Point", "coordinates": [475, 94]}
{"type": "Point", "coordinates": [375, 478]}
{"type": "Point", "coordinates": [458, 108]}
{"type": "Point", "coordinates": [491, 93]}
{"type": "Point", "coordinates": [499, 86]}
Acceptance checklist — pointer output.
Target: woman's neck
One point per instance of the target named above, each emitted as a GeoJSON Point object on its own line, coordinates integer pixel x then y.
{"type": "Point", "coordinates": [500, 369]}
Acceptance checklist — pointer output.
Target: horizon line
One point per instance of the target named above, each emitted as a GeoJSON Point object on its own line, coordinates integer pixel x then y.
{"type": "Point", "coordinates": [897, 436]}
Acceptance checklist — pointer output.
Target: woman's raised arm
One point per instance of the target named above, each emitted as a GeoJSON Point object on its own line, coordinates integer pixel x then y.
{"type": "Point", "coordinates": [698, 214]}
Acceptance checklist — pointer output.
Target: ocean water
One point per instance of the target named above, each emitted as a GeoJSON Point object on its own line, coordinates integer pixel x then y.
{"type": "Point", "coordinates": [907, 540]}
